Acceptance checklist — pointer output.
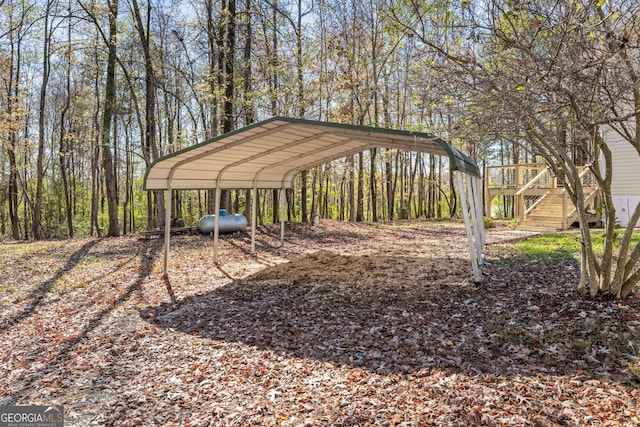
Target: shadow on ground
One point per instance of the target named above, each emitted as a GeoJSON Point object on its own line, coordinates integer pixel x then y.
{"type": "Point", "coordinates": [63, 351]}
{"type": "Point", "coordinates": [400, 314]}
{"type": "Point", "coordinates": [38, 294]}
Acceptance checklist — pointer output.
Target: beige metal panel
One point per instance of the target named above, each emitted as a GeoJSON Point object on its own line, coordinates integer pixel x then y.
{"type": "Point", "coordinates": [277, 146]}
{"type": "Point", "coordinates": [203, 184]}
{"type": "Point", "coordinates": [197, 170]}
{"type": "Point", "coordinates": [238, 176]}
{"type": "Point", "coordinates": [185, 184]}
{"type": "Point", "coordinates": [244, 185]}
{"type": "Point", "coordinates": [332, 151]}
{"type": "Point", "coordinates": [156, 184]}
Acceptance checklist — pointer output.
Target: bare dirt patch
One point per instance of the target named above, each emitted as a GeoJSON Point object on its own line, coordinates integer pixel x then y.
{"type": "Point", "coordinates": [348, 324]}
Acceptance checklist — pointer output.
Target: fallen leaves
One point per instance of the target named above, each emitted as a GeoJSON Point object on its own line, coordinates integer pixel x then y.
{"type": "Point", "coordinates": [349, 324]}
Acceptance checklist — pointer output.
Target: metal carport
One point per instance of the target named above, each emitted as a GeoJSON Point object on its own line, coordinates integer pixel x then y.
{"type": "Point", "coordinates": [269, 154]}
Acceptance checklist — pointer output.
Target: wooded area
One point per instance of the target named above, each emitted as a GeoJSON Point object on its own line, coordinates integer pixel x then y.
{"type": "Point", "coordinates": [93, 93]}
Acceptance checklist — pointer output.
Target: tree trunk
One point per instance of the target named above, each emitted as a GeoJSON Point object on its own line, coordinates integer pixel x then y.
{"type": "Point", "coordinates": [229, 66]}
{"type": "Point", "coordinates": [352, 189]}
{"type": "Point", "coordinates": [37, 230]}
{"type": "Point", "coordinates": [13, 190]}
{"type": "Point", "coordinates": [314, 182]}
{"type": "Point", "coordinates": [360, 201]}
{"type": "Point", "coordinates": [215, 45]}
{"type": "Point", "coordinates": [276, 205]}
{"type": "Point", "coordinates": [228, 122]}
{"type": "Point", "coordinates": [63, 153]}
{"type": "Point", "coordinates": [150, 147]}
{"type": "Point", "coordinates": [301, 106]}
{"type": "Point", "coordinates": [109, 105]}
{"type": "Point", "coordinates": [373, 186]}
{"type": "Point", "coordinates": [11, 105]}
{"type": "Point", "coordinates": [319, 209]}
{"type": "Point", "coordinates": [304, 210]}
{"type": "Point", "coordinates": [389, 183]}
{"type": "Point", "coordinates": [412, 180]}
{"type": "Point", "coordinates": [247, 79]}
{"type": "Point", "coordinates": [96, 177]}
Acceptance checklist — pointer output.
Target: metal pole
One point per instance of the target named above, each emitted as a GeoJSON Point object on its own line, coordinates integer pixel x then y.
{"type": "Point", "coordinates": [254, 219]}
{"type": "Point", "coordinates": [167, 225]}
{"type": "Point", "coordinates": [216, 226]}
{"type": "Point", "coordinates": [282, 208]}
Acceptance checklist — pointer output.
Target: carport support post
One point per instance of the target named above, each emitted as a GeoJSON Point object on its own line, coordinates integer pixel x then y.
{"type": "Point", "coordinates": [254, 219]}
{"type": "Point", "coordinates": [478, 203]}
{"type": "Point", "coordinates": [475, 220]}
{"type": "Point", "coordinates": [283, 196]}
{"type": "Point", "coordinates": [216, 226]}
{"type": "Point", "coordinates": [167, 226]}
{"type": "Point", "coordinates": [470, 237]}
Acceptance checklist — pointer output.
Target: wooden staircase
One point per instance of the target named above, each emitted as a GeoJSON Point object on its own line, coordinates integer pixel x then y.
{"type": "Point", "coordinates": [546, 215]}
{"type": "Point", "coordinates": [541, 203]}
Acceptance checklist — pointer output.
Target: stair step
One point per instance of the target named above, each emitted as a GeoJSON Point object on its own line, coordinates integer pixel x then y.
{"type": "Point", "coordinates": [540, 223]}
{"type": "Point", "coordinates": [547, 215]}
{"type": "Point", "coordinates": [540, 229]}
{"type": "Point", "coordinates": [543, 218]}
{"type": "Point", "coordinates": [540, 226]}
{"type": "Point", "coordinates": [547, 210]}
{"type": "Point", "coordinates": [535, 216]}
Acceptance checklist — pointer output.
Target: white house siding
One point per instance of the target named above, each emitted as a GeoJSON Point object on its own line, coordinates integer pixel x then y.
{"type": "Point", "coordinates": [625, 184]}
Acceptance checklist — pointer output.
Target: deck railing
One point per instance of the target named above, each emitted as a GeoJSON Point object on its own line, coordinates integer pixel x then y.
{"type": "Point", "coordinates": [528, 183]}
{"type": "Point", "coordinates": [542, 180]}
{"type": "Point", "coordinates": [518, 176]}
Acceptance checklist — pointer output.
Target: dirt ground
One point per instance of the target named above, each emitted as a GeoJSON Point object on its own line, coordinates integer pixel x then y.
{"type": "Point", "coordinates": [347, 325]}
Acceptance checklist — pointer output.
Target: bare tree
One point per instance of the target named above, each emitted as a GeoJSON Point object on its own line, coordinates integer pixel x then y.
{"type": "Point", "coordinates": [554, 68]}
{"type": "Point", "coordinates": [150, 147]}
{"type": "Point", "coordinates": [109, 102]}
{"type": "Point", "coordinates": [38, 232]}
{"type": "Point", "coordinates": [19, 24]}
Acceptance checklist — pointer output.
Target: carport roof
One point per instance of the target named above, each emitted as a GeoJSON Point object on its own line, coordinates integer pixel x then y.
{"type": "Point", "coordinates": [270, 153]}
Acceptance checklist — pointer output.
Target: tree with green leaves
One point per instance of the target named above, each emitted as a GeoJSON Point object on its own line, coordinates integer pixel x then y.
{"type": "Point", "coordinates": [553, 68]}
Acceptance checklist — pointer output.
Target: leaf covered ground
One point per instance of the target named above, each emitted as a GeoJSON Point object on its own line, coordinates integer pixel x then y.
{"type": "Point", "coordinates": [347, 325]}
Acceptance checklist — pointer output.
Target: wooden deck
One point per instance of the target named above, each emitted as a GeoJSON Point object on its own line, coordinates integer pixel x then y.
{"type": "Point", "coordinates": [539, 201]}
